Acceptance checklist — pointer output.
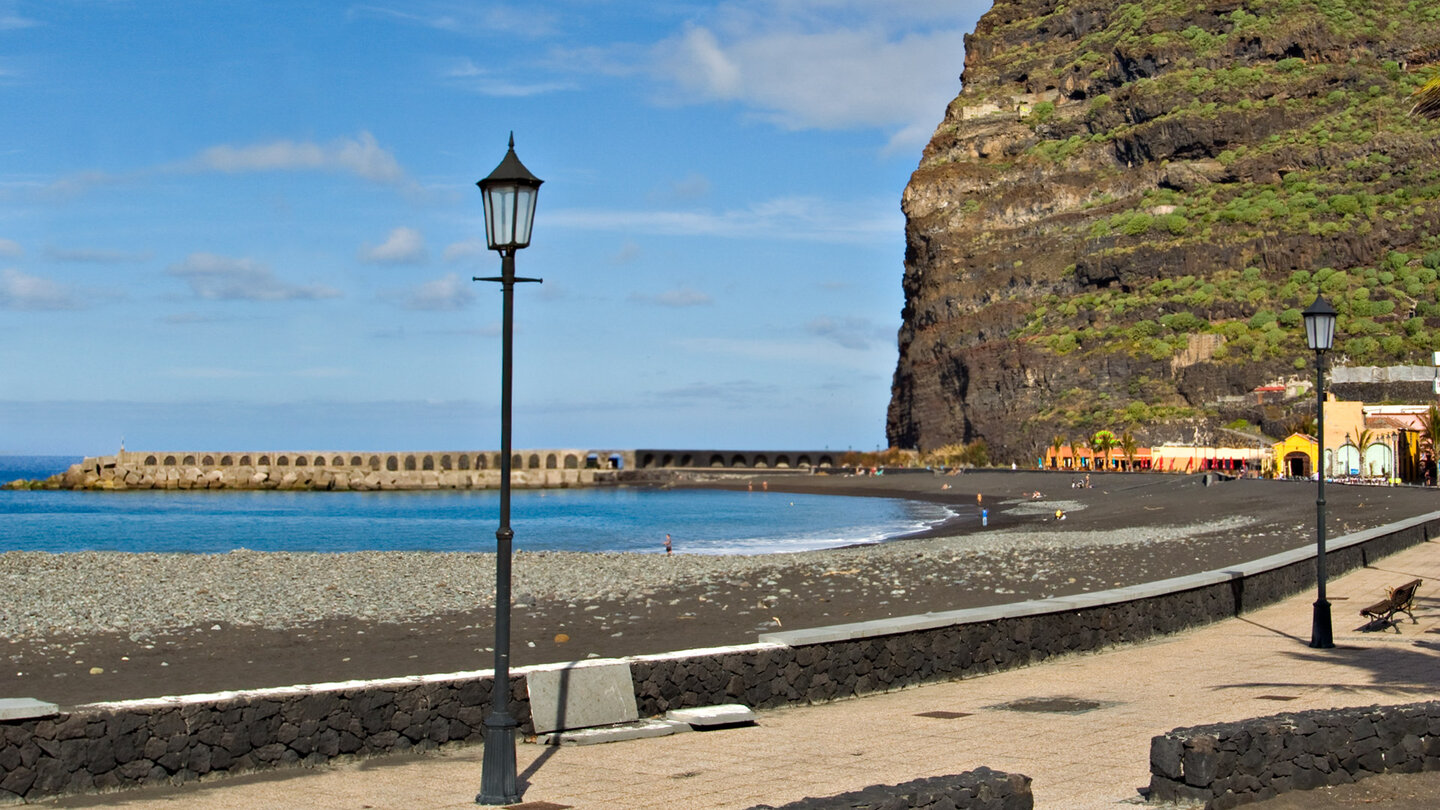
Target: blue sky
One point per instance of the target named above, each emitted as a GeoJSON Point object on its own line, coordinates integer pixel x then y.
{"type": "Point", "coordinates": [254, 224]}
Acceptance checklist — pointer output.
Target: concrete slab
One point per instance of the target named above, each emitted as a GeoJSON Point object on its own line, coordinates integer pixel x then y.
{"type": "Point", "coordinates": [725, 714]}
{"type": "Point", "coordinates": [629, 731]}
{"type": "Point", "coordinates": [573, 697]}
{"type": "Point", "coordinates": [26, 709]}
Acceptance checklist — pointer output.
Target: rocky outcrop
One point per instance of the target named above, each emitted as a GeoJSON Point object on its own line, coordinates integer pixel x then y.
{"type": "Point", "coordinates": [1123, 213]}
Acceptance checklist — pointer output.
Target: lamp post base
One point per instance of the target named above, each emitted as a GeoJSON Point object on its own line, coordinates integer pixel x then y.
{"type": "Point", "coordinates": [497, 774]}
{"type": "Point", "coordinates": [1321, 636]}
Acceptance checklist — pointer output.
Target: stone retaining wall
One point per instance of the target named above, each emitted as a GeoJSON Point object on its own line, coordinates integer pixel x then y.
{"type": "Point", "coordinates": [980, 789]}
{"type": "Point", "coordinates": [840, 661]}
{"type": "Point", "coordinates": [110, 745]}
{"type": "Point", "coordinates": [1229, 764]}
{"type": "Point", "coordinates": [175, 740]}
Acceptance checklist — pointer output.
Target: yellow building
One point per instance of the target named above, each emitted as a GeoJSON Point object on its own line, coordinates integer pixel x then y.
{"type": "Point", "coordinates": [1361, 441]}
{"type": "Point", "coordinates": [1295, 456]}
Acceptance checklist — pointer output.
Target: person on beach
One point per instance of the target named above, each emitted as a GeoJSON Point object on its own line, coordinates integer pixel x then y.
{"type": "Point", "coordinates": [668, 548]}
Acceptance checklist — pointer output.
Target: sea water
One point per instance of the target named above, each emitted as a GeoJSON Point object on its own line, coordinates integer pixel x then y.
{"type": "Point", "coordinates": [598, 519]}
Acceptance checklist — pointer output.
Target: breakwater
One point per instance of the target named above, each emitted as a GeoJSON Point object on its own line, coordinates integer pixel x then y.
{"type": "Point", "coordinates": [338, 471]}
{"type": "Point", "coordinates": [368, 471]}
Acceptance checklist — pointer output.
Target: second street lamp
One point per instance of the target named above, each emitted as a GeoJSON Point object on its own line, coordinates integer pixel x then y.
{"type": "Point", "coordinates": [1320, 335]}
{"type": "Point", "coordinates": [510, 193]}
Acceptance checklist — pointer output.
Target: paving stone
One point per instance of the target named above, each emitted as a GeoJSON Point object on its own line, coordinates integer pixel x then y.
{"type": "Point", "coordinates": [26, 708]}
{"type": "Point", "coordinates": [729, 714]}
{"type": "Point", "coordinates": [581, 696]}
{"type": "Point", "coordinates": [619, 733]}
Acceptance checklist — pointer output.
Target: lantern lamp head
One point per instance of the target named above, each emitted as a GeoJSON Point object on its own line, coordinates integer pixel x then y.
{"type": "Point", "coordinates": [1320, 325]}
{"type": "Point", "coordinates": [510, 193]}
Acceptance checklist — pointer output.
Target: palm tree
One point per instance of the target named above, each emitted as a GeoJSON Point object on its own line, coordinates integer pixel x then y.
{"type": "Point", "coordinates": [1128, 446]}
{"type": "Point", "coordinates": [1431, 437]}
{"type": "Point", "coordinates": [1056, 444]}
{"type": "Point", "coordinates": [1363, 439]}
{"type": "Point", "coordinates": [1103, 441]}
{"type": "Point", "coordinates": [1075, 453]}
{"type": "Point", "coordinates": [1427, 99]}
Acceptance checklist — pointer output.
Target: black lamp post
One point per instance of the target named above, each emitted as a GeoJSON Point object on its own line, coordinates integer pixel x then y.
{"type": "Point", "coordinates": [509, 193]}
{"type": "Point", "coordinates": [1320, 335]}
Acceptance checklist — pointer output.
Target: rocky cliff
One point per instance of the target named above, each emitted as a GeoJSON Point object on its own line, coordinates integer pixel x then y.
{"type": "Point", "coordinates": [1124, 212]}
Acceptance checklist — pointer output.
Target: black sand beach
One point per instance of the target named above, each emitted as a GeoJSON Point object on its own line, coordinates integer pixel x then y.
{"type": "Point", "coordinates": [1123, 530]}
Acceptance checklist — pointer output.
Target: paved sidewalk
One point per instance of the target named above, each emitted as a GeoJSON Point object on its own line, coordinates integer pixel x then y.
{"type": "Point", "coordinates": [1085, 758]}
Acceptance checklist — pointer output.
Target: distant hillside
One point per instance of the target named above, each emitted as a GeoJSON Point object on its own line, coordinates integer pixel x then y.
{"type": "Point", "coordinates": [1122, 215]}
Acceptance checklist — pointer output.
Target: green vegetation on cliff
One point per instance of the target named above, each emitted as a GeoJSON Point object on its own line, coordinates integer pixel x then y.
{"type": "Point", "coordinates": [1154, 192]}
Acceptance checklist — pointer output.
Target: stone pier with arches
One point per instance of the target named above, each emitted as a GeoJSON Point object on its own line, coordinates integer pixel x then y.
{"type": "Point", "coordinates": [342, 470]}
{"type": "Point", "coordinates": [411, 470]}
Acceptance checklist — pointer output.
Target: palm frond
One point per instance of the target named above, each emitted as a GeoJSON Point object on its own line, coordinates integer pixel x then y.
{"type": "Point", "coordinates": [1427, 99]}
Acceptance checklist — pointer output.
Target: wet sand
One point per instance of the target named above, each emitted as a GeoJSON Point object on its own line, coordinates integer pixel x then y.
{"type": "Point", "coordinates": [1123, 530]}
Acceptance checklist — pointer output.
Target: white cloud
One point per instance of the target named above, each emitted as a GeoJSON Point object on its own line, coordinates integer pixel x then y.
{"type": "Point", "coordinates": [464, 251]}
{"type": "Point", "coordinates": [13, 22]}
{"type": "Point", "coordinates": [797, 218]}
{"type": "Point", "coordinates": [445, 294]}
{"type": "Point", "coordinates": [209, 373]}
{"type": "Point", "coordinates": [323, 373]}
{"type": "Point", "coordinates": [467, 75]}
{"type": "Point", "coordinates": [361, 156]}
{"type": "Point", "coordinates": [19, 291]}
{"type": "Point", "coordinates": [222, 278]}
{"type": "Point", "coordinates": [693, 186]}
{"type": "Point", "coordinates": [188, 319]}
{"type": "Point", "coordinates": [678, 297]}
{"type": "Point", "coordinates": [823, 64]}
{"type": "Point", "coordinates": [474, 19]}
{"type": "Point", "coordinates": [402, 246]}
{"type": "Point", "coordinates": [703, 62]}
{"type": "Point", "coordinates": [851, 333]}
{"type": "Point", "coordinates": [628, 252]}
{"type": "Point", "coordinates": [830, 79]}
{"type": "Point", "coordinates": [11, 249]}
{"type": "Point", "coordinates": [96, 256]}
{"type": "Point", "coordinates": [740, 392]}
{"type": "Point", "coordinates": [72, 186]}
{"type": "Point", "coordinates": [792, 352]}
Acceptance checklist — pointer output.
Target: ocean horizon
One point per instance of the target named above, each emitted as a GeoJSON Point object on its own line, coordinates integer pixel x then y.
{"type": "Point", "coordinates": [607, 519]}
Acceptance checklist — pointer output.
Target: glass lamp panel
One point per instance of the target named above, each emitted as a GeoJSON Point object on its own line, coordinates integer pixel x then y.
{"type": "Point", "coordinates": [1320, 331]}
{"type": "Point", "coordinates": [1326, 332]}
{"type": "Point", "coordinates": [501, 221]}
{"type": "Point", "coordinates": [489, 218]}
{"type": "Point", "coordinates": [524, 214]}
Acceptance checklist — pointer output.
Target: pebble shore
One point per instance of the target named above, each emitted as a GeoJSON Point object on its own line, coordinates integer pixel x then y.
{"type": "Point", "coordinates": [83, 627]}
{"type": "Point", "coordinates": [142, 594]}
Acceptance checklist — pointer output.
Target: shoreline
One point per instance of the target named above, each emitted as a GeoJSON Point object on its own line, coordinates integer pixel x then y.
{"type": "Point", "coordinates": [157, 624]}
{"type": "Point", "coordinates": [620, 519]}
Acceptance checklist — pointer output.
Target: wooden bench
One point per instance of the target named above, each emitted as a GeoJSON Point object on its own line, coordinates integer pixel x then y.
{"type": "Point", "coordinates": [1398, 600]}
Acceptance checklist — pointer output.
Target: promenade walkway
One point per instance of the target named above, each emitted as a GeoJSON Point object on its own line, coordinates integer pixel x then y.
{"type": "Point", "coordinates": [1098, 757]}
